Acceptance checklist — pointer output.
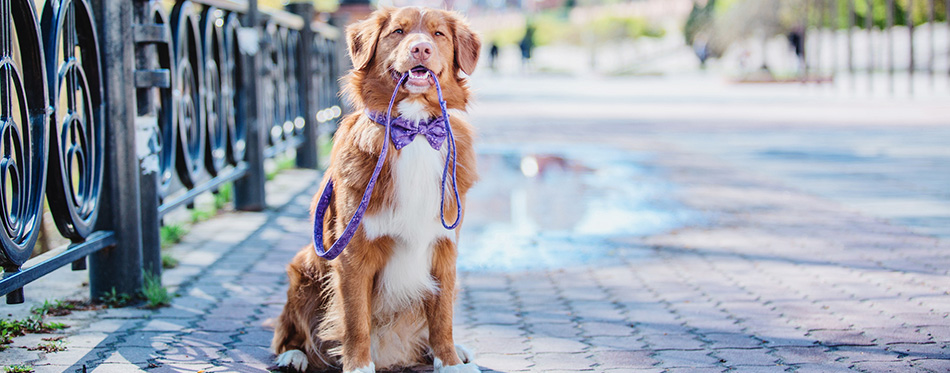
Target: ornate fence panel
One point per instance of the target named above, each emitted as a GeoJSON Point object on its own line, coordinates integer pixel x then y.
{"type": "Point", "coordinates": [23, 121]}
{"type": "Point", "coordinates": [204, 138]}
{"type": "Point", "coordinates": [193, 122]}
{"type": "Point", "coordinates": [75, 139]}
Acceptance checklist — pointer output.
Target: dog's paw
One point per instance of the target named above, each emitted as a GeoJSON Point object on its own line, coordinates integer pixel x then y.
{"type": "Point", "coordinates": [466, 355]}
{"type": "Point", "coordinates": [293, 359]}
{"type": "Point", "coordinates": [371, 368]}
{"type": "Point", "coordinates": [459, 368]}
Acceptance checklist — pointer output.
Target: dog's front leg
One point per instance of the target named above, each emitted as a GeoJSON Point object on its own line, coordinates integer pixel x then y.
{"type": "Point", "coordinates": [439, 309]}
{"type": "Point", "coordinates": [356, 285]}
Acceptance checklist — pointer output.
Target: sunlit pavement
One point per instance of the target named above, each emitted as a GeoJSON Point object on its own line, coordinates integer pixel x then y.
{"type": "Point", "coordinates": [775, 228]}
{"type": "Point", "coordinates": [623, 224]}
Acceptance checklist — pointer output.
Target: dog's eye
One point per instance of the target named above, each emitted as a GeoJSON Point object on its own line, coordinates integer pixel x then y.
{"type": "Point", "coordinates": [398, 31]}
{"type": "Point", "coordinates": [439, 33]}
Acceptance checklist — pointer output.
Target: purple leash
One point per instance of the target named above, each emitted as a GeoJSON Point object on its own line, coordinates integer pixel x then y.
{"type": "Point", "coordinates": [354, 222]}
{"type": "Point", "coordinates": [452, 151]}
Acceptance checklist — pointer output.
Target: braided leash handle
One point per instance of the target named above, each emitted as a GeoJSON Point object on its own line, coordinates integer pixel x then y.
{"type": "Point", "coordinates": [453, 153]}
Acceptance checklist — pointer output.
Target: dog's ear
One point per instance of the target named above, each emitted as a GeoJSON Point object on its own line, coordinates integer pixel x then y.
{"type": "Point", "coordinates": [361, 38]}
{"type": "Point", "coordinates": [467, 46]}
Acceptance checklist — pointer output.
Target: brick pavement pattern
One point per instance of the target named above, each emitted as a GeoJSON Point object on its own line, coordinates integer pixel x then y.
{"type": "Point", "coordinates": [775, 280]}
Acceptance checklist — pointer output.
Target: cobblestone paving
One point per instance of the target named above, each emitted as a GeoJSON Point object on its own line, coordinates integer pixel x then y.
{"type": "Point", "coordinates": [774, 279]}
{"type": "Point", "coordinates": [778, 280]}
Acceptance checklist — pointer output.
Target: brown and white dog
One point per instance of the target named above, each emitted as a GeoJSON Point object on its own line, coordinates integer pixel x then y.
{"type": "Point", "coordinates": [387, 301]}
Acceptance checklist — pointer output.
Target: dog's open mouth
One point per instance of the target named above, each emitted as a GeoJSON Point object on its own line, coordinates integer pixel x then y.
{"type": "Point", "coordinates": [419, 77]}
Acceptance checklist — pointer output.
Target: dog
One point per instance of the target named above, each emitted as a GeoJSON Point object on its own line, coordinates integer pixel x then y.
{"type": "Point", "coordinates": [387, 301]}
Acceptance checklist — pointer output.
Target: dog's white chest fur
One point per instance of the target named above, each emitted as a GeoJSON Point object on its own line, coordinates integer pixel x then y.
{"type": "Point", "coordinates": [413, 221]}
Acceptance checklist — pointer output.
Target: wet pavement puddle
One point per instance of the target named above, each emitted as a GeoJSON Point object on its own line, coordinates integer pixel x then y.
{"type": "Point", "coordinates": [547, 207]}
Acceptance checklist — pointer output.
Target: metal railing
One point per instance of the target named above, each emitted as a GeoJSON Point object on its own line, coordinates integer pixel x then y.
{"type": "Point", "coordinates": [121, 111]}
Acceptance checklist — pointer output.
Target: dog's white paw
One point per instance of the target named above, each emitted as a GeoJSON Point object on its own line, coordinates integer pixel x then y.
{"type": "Point", "coordinates": [295, 359]}
{"type": "Point", "coordinates": [371, 368]}
{"type": "Point", "coordinates": [466, 355]}
{"type": "Point", "coordinates": [459, 368]}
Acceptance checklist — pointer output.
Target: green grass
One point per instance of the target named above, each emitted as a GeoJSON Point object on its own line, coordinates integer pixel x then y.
{"type": "Point", "coordinates": [172, 234]}
{"type": "Point", "coordinates": [198, 215]}
{"type": "Point", "coordinates": [32, 324]}
{"type": "Point", "coordinates": [282, 162]}
{"type": "Point", "coordinates": [55, 308]}
{"type": "Point", "coordinates": [168, 261]}
{"type": "Point", "coordinates": [155, 294]}
{"type": "Point", "coordinates": [324, 145]}
{"type": "Point", "coordinates": [18, 368]}
{"type": "Point", "coordinates": [152, 292]}
{"type": "Point", "coordinates": [113, 299]}
{"type": "Point", "coordinates": [224, 195]}
{"type": "Point", "coordinates": [35, 323]}
{"type": "Point", "coordinates": [55, 345]}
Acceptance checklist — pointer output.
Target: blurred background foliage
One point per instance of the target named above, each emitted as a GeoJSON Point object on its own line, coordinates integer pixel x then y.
{"type": "Point", "coordinates": [554, 26]}
{"type": "Point", "coordinates": [320, 5]}
{"type": "Point", "coordinates": [720, 23]}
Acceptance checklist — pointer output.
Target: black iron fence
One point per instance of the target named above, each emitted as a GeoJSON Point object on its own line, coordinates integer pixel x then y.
{"type": "Point", "coordinates": [121, 111]}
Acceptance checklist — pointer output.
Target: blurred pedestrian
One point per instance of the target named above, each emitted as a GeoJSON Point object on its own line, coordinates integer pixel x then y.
{"type": "Point", "coordinates": [527, 44]}
{"type": "Point", "coordinates": [796, 40]}
{"type": "Point", "coordinates": [492, 55]}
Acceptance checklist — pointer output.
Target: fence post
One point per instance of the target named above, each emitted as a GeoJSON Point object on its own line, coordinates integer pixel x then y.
{"type": "Point", "coordinates": [119, 267]}
{"type": "Point", "coordinates": [803, 59]}
{"type": "Point", "coordinates": [834, 16]}
{"type": "Point", "coordinates": [249, 190]}
{"type": "Point", "coordinates": [151, 226]}
{"type": "Point", "coordinates": [307, 152]}
{"type": "Point", "coordinates": [869, 25]}
{"type": "Point", "coordinates": [931, 12]}
{"type": "Point", "coordinates": [821, 7]}
{"type": "Point", "coordinates": [851, 42]}
{"type": "Point", "coordinates": [910, 31]}
{"type": "Point", "coordinates": [147, 125]}
{"type": "Point", "coordinates": [889, 29]}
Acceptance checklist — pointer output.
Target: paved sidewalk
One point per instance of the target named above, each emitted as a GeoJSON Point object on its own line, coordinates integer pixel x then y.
{"type": "Point", "coordinates": [773, 275]}
{"type": "Point", "coordinates": [229, 281]}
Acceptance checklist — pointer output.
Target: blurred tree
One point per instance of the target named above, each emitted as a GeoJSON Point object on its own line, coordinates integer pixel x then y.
{"type": "Point", "coordinates": [550, 27]}
{"type": "Point", "coordinates": [754, 18]}
{"type": "Point", "coordinates": [712, 27]}
{"type": "Point", "coordinates": [699, 31]}
{"type": "Point", "coordinates": [699, 21]}
{"type": "Point", "coordinates": [619, 28]}
{"type": "Point", "coordinates": [921, 10]}
{"type": "Point", "coordinates": [319, 5]}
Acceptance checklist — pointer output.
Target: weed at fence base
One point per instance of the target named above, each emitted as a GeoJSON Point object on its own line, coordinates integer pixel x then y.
{"type": "Point", "coordinates": [154, 293]}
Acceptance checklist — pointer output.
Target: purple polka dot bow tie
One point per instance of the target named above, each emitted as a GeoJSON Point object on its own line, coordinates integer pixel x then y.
{"type": "Point", "coordinates": [404, 131]}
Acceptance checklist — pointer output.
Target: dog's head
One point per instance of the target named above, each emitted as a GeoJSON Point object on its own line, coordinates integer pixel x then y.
{"type": "Point", "coordinates": [392, 42]}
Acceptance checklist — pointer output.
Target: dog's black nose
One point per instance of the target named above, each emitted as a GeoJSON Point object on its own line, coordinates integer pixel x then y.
{"type": "Point", "coordinates": [421, 51]}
